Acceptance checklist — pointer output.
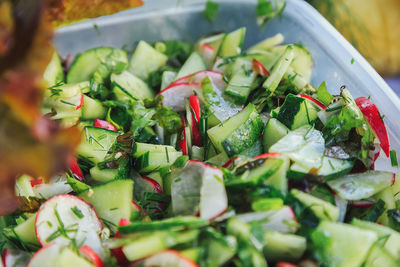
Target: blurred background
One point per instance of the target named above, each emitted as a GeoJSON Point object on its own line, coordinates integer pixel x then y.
{"type": "Point", "coordinates": [373, 27]}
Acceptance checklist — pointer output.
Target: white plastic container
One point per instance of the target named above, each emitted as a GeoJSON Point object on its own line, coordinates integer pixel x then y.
{"type": "Point", "coordinates": [167, 20]}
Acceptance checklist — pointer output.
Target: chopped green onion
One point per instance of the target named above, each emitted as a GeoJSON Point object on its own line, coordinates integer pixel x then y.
{"type": "Point", "coordinates": [211, 10]}
{"type": "Point", "coordinates": [77, 212]}
{"type": "Point", "coordinates": [393, 158]}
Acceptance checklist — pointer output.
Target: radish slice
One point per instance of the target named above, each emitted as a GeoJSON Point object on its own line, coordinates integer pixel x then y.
{"type": "Point", "coordinates": [363, 203]}
{"type": "Point", "coordinates": [117, 252]}
{"type": "Point", "coordinates": [167, 258]}
{"type": "Point", "coordinates": [76, 219]}
{"type": "Point", "coordinates": [268, 155]}
{"type": "Point", "coordinates": [195, 114]}
{"type": "Point", "coordinates": [46, 256]}
{"type": "Point", "coordinates": [284, 264]}
{"type": "Point", "coordinates": [282, 220]}
{"type": "Point", "coordinates": [15, 258]}
{"type": "Point", "coordinates": [315, 101]}
{"type": "Point", "coordinates": [175, 94]}
{"type": "Point", "coordinates": [217, 78]}
{"type": "Point", "coordinates": [213, 198]}
{"type": "Point", "coordinates": [36, 182]}
{"type": "Point", "coordinates": [91, 255]}
{"type": "Point", "coordinates": [104, 124]}
{"type": "Point", "coordinates": [229, 162]}
{"type": "Point", "coordinates": [75, 169]}
{"type": "Point", "coordinates": [145, 185]}
{"type": "Point", "coordinates": [371, 113]}
{"type": "Point", "coordinates": [207, 53]}
{"type": "Point", "coordinates": [259, 68]}
{"type": "Point", "coordinates": [183, 142]}
{"type": "Point", "coordinates": [80, 102]}
{"type": "Point", "coordinates": [198, 188]}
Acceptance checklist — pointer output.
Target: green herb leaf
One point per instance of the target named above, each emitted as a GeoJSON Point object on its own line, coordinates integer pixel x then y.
{"type": "Point", "coordinates": [211, 10]}
{"type": "Point", "coordinates": [266, 10]}
{"type": "Point", "coordinates": [77, 212]}
{"type": "Point", "coordinates": [323, 95]}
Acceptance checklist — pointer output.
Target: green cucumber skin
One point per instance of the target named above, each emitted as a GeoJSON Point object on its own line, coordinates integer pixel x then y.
{"type": "Point", "coordinates": [243, 137]}
{"type": "Point", "coordinates": [288, 112]}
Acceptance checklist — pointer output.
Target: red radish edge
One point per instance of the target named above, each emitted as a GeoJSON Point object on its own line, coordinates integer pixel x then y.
{"type": "Point", "coordinates": [371, 113]}
{"type": "Point", "coordinates": [229, 162]}
{"type": "Point", "coordinates": [393, 178]}
{"type": "Point", "coordinates": [259, 68]}
{"type": "Point", "coordinates": [36, 182]}
{"type": "Point", "coordinates": [205, 165]}
{"type": "Point", "coordinates": [315, 101]}
{"type": "Point", "coordinates": [362, 204]}
{"type": "Point", "coordinates": [64, 195]}
{"type": "Point", "coordinates": [177, 253]}
{"type": "Point", "coordinates": [183, 143]}
{"type": "Point", "coordinates": [91, 255]}
{"type": "Point", "coordinates": [74, 167]}
{"type": "Point", "coordinates": [208, 47]}
{"type": "Point", "coordinates": [80, 103]}
{"type": "Point", "coordinates": [186, 79]}
{"type": "Point", "coordinates": [268, 155]}
{"type": "Point", "coordinates": [117, 252]}
{"type": "Point", "coordinates": [172, 85]}
{"type": "Point", "coordinates": [104, 124]}
{"type": "Point", "coordinates": [195, 106]}
{"type": "Point", "coordinates": [284, 264]}
{"type": "Point", "coordinates": [155, 185]}
{"type": "Point", "coordinates": [4, 256]}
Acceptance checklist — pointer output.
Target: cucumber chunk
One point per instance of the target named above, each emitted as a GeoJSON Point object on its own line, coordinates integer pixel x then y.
{"type": "Point", "coordinates": [151, 161]}
{"type": "Point", "coordinates": [242, 82]}
{"type": "Point", "coordinates": [387, 237]}
{"type": "Point", "coordinates": [361, 185]}
{"type": "Point", "coordinates": [129, 87]}
{"type": "Point", "coordinates": [141, 148]}
{"type": "Point", "coordinates": [92, 109]}
{"type": "Point", "coordinates": [268, 43]}
{"type": "Point", "coordinates": [232, 43]}
{"type": "Point", "coordinates": [86, 64]}
{"type": "Point", "coordinates": [95, 143]}
{"type": "Point", "coordinates": [167, 78]}
{"type": "Point", "coordinates": [283, 247]}
{"type": "Point", "coordinates": [302, 62]}
{"type": "Point", "coordinates": [26, 232]}
{"type": "Point", "coordinates": [331, 168]}
{"type": "Point", "coordinates": [112, 201]}
{"type": "Point", "coordinates": [69, 258]}
{"type": "Point", "coordinates": [280, 68]}
{"type": "Point", "coordinates": [274, 130]}
{"type": "Point", "coordinates": [296, 112]}
{"type": "Point", "coordinates": [378, 257]}
{"type": "Point", "coordinates": [338, 244]}
{"type": "Point", "coordinates": [193, 64]}
{"type": "Point", "coordinates": [146, 60]}
{"type": "Point", "coordinates": [322, 209]}
{"type": "Point", "coordinates": [238, 132]}
{"type": "Point", "coordinates": [54, 72]}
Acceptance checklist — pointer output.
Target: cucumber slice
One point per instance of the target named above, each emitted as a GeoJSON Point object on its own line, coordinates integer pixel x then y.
{"type": "Point", "coordinates": [141, 148]}
{"type": "Point", "coordinates": [274, 130]}
{"type": "Point", "coordinates": [218, 160]}
{"type": "Point", "coordinates": [156, 242]}
{"type": "Point", "coordinates": [86, 64]}
{"type": "Point", "coordinates": [322, 209]}
{"type": "Point", "coordinates": [193, 64]}
{"type": "Point", "coordinates": [361, 185]}
{"type": "Point", "coordinates": [112, 201]}
{"type": "Point", "coordinates": [72, 214]}
{"type": "Point", "coordinates": [232, 43]}
{"type": "Point", "coordinates": [268, 43]}
{"type": "Point", "coordinates": [253, 151]}
{"type": "Point", "coordinates": [338, 244]}
{"type": "Point", "coordinates": [219, 248]}
{"type": "Point", "coordinates": [379, 256]}
{"type": "Point", "coordinates": [331, 168]}
{"type": "Point", "coordinates": [128, 86]}
{"type": "Point", "coordinates": [305, 146]}
{"type": "Point", "coordinates": [54, 72]}
{"type": "Point", "coordinates": [280, 68]}
{"type": "Point", "coordinates": [106, 175]}
{"type": "Point", "coordinates": [151, 161]}
{"type": "Point", "coordinates": [296, 112]}
{"type": "Point", "coordinates": [283, 247]}
{"type": "Point", "coordinates": [23, 186]}
{"type": "Point", "coordinates": [167, 78]}
{"type": "Point", "coordinates": [146, 60]}
{"type": "Point", "coordinates": [238, 132]}
{"type": "Point", "coordinates": [387, 237]}
{"type": "Point", "coordinates": [92, 109]}
{"type": "Point", "coordinates": [279, 179]}
{"type": "Point", "coordinates": [95, 143]}
{"type": "Point", "coordinates": [68, 258]}
{"type": "Point", "coordinates": [26, 232]}
{"type": "Point", "coordinates": [242, 82]}
{"type": "Point", "coordinates": [168, 258]}
{"type": "Point", "coordinates": [302, 62]}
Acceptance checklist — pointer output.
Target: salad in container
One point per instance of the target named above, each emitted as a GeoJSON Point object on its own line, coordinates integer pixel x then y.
{"type": "Point", "coordinates": [208, 154]}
